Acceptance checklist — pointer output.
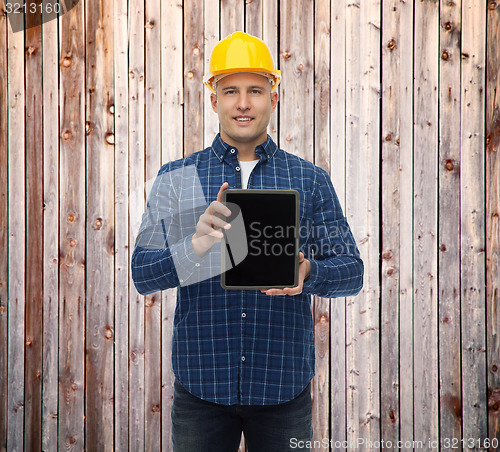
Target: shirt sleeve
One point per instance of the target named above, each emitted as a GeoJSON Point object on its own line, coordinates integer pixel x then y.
{"type": "Point", "coordinates": [163, 256]}
{"type": "Point", "coordinates": [336, 268]}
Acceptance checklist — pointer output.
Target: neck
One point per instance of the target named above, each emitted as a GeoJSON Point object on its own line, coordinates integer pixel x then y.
{"type": "Point", "coordinates": [246, 150]}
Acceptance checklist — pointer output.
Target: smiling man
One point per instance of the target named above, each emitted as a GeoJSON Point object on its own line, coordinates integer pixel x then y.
{"type": "Point", "coordinates": [243, 360]}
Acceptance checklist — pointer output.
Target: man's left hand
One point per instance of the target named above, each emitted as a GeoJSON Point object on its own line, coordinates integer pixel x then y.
{"type": "Point", "coordinates": [304, 272]}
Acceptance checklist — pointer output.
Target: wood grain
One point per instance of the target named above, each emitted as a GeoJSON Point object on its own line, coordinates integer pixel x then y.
{"type": "Point", "coordinates": [4, 229]}
{"type": "Point", "coordinates": [100, 141]}
{"type": "Point", "coordinates": [34, 230]}
{"type": "Point", "coordinates": [425, 345]}
{"type": "Point", "coordinates": [472, 237]}
{"type": "Point", "coordinates": [122, 257]}
{"type": "Point", "coordinates": [492, 213]}
{"type": "Point", "coordinates": [449, 221]}
{"type": "Point", "coordinates": [72, 230]}
{"type": "Point", "coordinates": [50, 324]}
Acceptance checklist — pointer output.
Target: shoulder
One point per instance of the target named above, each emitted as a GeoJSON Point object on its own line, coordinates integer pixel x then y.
{"type": "Point", "coordinates": [193, 159]}
{"type": "Point", "coordinates": [308, 168]}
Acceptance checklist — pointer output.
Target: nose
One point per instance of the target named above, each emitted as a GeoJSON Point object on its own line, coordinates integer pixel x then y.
{"type": "Point", "coordinates": [243, 101]}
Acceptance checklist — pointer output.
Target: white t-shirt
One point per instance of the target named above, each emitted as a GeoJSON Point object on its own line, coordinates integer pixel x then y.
{"type": "Point", "coordinates": [246, 169]}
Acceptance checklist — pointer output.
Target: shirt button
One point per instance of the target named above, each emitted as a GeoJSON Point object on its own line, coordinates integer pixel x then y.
{"type": "Point", "coordinates": [197, 264]}
{"type": "Point", "coordinates": [181, 280]}
{"type": "Point", "coordinates": [243, 314]}
{"type": "Point", "coordinates": [243, 358]}
{"type": "Point", "coordinates": [233, 151]}
{"type": "Point", "coordinates": [237, 168]}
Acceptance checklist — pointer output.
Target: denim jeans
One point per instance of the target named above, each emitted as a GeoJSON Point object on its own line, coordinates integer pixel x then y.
{"type": "Point", "coordinates": [201, 426]}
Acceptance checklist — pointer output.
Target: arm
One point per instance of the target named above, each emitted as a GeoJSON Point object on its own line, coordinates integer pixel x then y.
{"type": "Point", "coordinates": [337, 269]}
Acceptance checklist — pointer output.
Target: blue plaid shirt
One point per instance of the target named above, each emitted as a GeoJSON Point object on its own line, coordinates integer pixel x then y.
{"type": "Point", "coordinates": [242, 346]}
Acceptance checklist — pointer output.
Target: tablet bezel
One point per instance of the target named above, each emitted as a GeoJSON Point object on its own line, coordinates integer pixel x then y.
{"type": "Point", "coordinates": [249, 192]}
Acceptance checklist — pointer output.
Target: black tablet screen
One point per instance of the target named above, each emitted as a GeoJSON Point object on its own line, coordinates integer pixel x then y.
{"type": "Point", "coordinates": [270, 221]}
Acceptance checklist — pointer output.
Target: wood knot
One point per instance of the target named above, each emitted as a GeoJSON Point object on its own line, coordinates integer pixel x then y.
{"type": "Point", "coordinates": [391, 45]}
{"type": "Point", "coordinates": [98, 224]}
{"type": "Point", "coordinates": [150, 24]}
{"type": "Point", "coordinates": [28, 342]}
{"type": "Point", "coordinates": [286, 55]}
{"type": "Point", "coordinates": [133, 356]}
{"type": "Point", "coordinates": [392, 416]}
{"type": "Point", "coordinates": [449, 165]}
{"type": "Point", "coordinates": [2, 309]}
{"type": "Point", "coordinates": [74, 386]}
{"type": "Point", "coordinates": [131, 74]}
{"type": "Point", "coordinates": [390, 271]}
{"type": "Point", "coordinates": [388, 137]}
{"type": "Point", "coordinates": [447, 26]}
{"type": "Point", "coordinates": [446, 320]}
{"type": "Point", "coordinates": [71, 218]}
{"type": "Point", "coordinates": [445, 55]}
{"type": "Point", "coordinates": [109, 138]}
{"type": "Point", "coordinates": [387, 255]}
{"type": "Point", "coordinates": [492, 5]}
{"type": "Point", "coordinates": [323, 319]}
{"type": "Point", "coordinates": [156, 408]}
{"type": "Point", "coordinates": [71, 440]}
{"type": "Point", "coordinates": [300, 67]}
{"type": "Point", "coordinates": [66, 135]}
{"type": "Point", "coordinates": [31, 50]}
{"type": "Point", "coordinates": [108, 332]}
{"type": "Point", "coordinates": [111, 109]}
{"type": "Point", "coordinates": [465, 56]}
{"type": "Point", "coordinates": [442, 247]}
{"type": "Point", "coordinates": [190, 75]}
{"type": "Point", "coordinates": [196, 51]}
{"type": "Point", "coordinates": [88, 128]}
{"type": "Point", "coordinates": [72, 243]}
{"type": "Point", "coordinates": [494, 368]}
{"type": "Point", "coordinates": [66, 62]}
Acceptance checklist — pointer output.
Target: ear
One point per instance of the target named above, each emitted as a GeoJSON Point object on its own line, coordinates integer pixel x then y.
{"type": "Point", "coordinates": [274, 100]}
{"type": "Point", "coordinates": [213, 101]}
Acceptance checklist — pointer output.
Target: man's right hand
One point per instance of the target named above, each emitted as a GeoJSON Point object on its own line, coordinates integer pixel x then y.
{"type": "Point", "coordinates": [210, 225]}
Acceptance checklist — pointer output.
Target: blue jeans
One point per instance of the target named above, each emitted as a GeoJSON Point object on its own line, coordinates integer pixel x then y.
{"type": "Point", "coordinates": [201, 426]}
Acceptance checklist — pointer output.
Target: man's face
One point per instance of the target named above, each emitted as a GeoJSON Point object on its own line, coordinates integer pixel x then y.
{"type": "Point", "coordinates": [244, 104]}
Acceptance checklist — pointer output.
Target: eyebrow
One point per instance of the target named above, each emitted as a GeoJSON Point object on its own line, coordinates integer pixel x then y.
{"type": "Point", "coordinates": [250, 87]}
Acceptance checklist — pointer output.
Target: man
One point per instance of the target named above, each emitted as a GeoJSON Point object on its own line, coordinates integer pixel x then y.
{"type": "Point", "coordinates": [243, 360]}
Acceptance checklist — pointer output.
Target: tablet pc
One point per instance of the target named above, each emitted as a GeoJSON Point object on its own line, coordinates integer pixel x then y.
{"type": "Point", "coordinates": [261, 249]}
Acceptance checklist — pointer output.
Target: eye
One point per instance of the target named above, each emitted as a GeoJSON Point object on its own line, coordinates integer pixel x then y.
{"type": "Point", "coordinates": [230, 91]}
{"type": "Point", "coordinates": [256, 91]}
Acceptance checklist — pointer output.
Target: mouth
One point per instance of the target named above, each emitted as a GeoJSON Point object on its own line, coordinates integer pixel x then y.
{"type": "Point", "coordinates": [243, 119]}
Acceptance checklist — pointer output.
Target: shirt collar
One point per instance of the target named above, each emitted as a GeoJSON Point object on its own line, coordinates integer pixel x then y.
{"type": "Point", "coordinates": [265, 151]}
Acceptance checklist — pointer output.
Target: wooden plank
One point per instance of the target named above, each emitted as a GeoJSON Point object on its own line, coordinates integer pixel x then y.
{"type": "Point", "coordinates": [321, 306]}
{"type": "Point", "coordinates": [72, 229]}
{"type": "Point", "coordinates": [297, 85]}
{"type": "Point", "coordinates": [253, 17]}
{"type": "Point", "coordinates": [270, 23]}
{"type": "Point", "coordinates": [50, 233]}
{"type": "Point", "coordinates": [473, 291]}
{"type": "Point", "coordinates": [34, 230]}
{"type": "Point", "coordinates": [193, 76]}
{"type": "Point", "coordinates": [426, 413]}
{"type": "Point", "coordinates": [99, 226]}
{"type": "Point", "coordinates": [390, 211]}
{"type": "Point", "coordinates": [492, 214]}
{"type": "Point", "coordinates": [4, 228]}
{"type": "Point", "coordinates": [17, 224]}
{"type": "Point", "coordinates": [449, 222]}
{"type": "Point", "coordinates": [122, 257]}
{"type": "Point", "coordinates": [171, 148]}
{"type": "Point", "coordinates": [152, 340]}
{"type": "Point", "coordinates": [362, 172]}
{"type": "Point", "coordinates": [136, 428]}
{"type": "Point", "coordinates": [406, 222]}
{"type": "Point", "coordinates": [211, 19]}
{"type": "Point", "coordinates": [232, 15]}
{"type": "Point", "coordinates": [338, 424]}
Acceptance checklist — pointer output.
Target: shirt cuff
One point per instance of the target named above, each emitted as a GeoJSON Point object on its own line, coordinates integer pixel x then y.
{"type": "Point", "coordinates": [311, 285]}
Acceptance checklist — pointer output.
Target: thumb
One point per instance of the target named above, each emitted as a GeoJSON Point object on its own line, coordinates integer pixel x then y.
{"type": "Point", "coordinates": [223, 187]}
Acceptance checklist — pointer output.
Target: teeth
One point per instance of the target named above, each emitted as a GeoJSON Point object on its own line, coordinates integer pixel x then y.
{"type": "Point", "coordinates": [243, 119]}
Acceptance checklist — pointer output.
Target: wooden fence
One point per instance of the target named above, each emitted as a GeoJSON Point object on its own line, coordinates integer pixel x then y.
{"type": "Point", "coordinates": [398, 100]}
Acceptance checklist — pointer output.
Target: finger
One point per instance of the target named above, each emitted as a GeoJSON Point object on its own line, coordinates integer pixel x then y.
{"type": "Point", "coordinates": [218, 223]}
{"type": "Point", "coordinates": [223, 187]}
{"type": "Point", "coordinates": [216, 207]}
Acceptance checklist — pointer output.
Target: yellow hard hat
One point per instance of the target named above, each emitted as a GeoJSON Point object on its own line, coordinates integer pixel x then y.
{"type": "Point", "coordinates": [241, 52]}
